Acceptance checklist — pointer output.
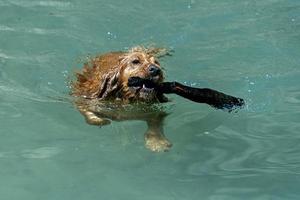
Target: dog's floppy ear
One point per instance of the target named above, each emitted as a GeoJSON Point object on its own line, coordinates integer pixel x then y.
{"type": "Point", "coordinates": [109, 85]}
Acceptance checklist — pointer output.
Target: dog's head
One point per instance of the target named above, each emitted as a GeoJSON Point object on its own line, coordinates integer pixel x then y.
{"type": "Point", "coordinates": [106, 77]}
{"type": "Point", "coordinates": [143, 63]}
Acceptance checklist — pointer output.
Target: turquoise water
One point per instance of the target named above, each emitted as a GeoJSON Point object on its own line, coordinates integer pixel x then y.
{"type": "Point", "coordinates": [245, 48]}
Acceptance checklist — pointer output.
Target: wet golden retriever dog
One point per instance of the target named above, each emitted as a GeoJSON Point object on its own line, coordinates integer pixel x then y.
{"type": "Point", "coordinates": [103, 81]}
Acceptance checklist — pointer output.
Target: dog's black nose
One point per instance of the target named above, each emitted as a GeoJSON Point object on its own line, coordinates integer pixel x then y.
{"type": "Point", "coordinates": [154, 70]}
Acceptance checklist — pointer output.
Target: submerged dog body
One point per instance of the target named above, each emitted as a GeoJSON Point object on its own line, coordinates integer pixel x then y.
{"type": "Point", "coordinates": [105, 79]}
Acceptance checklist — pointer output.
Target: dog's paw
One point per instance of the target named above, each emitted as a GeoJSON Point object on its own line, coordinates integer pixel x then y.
{"type": "Point", "coordinates": [157, 143]}
{"type": "Point", "coordinates": [93, 119]}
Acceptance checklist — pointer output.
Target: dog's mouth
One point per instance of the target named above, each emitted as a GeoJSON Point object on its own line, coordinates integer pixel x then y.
{"type": "Point", "coordinates": [145, 89]}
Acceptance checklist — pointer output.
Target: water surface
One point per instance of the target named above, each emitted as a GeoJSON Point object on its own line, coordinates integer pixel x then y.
{"type": "Point", "coordinates": [244, 48]}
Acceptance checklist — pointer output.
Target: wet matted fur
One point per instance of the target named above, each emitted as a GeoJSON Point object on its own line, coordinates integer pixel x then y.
{"type": "Point", "coordinates": [105, 78]}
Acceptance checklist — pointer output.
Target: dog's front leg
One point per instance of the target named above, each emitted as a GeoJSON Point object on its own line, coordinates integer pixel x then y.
{"type": "Point", "coordinates": [91, 118]}
{"type": "Point", "coordinates": [155, 139]}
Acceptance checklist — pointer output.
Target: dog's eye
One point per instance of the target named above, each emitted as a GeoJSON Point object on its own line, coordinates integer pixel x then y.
{"type": "Point", "coordinates": [136, 61]}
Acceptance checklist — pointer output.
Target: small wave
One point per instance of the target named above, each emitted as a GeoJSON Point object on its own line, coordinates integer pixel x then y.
{"type": "Point", "coordinates": [6, 28]}
{"type": "Point", "coordinates": [56, 4]}
{"type": "Point", "coordinates": [33, 30]}
{"type": "Point", "coordinates": [40, 31]}
{"type": "Point", "coordinates": [5, 56]}
{"type": "Point", "coordinates": [25, 93]}
{"type": "Point", "coordinates": [40, 153]}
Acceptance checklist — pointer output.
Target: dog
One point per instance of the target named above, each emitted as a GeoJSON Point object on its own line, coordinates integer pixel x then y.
{"type": "Point", "coordinates": [103, 81]}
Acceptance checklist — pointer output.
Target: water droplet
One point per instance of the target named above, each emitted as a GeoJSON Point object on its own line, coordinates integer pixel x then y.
{"type": "Point", "coordinates": [111, 35]}
{"type": "Point", "coordinates": [268, 76]}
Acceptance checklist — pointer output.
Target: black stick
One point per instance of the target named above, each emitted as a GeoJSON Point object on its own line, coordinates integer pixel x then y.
{"type": "Point", "coordinates": [201, 95]}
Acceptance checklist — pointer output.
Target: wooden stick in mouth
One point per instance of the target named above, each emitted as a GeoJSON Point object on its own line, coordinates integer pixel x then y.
{"type": "Point", "coordinates": [211, 97]}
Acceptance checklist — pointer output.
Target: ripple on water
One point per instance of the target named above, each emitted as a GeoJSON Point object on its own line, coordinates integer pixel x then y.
{"type": "Point", "coordinates": [9, 110]}
{"type": "Point", "coordinates": [56, 4]}
{"type": "Point", "coordinates": [293, 97]}
{"type": "Point", "coordinates": [40, 153]}
{"type": "Point", "coordinates": [233, 154]}
{"type": "Point", "coordinates": [13, 91]}
{"type": "Point", "coordinates": [222, 158]}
